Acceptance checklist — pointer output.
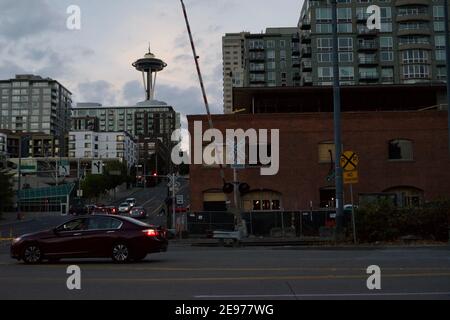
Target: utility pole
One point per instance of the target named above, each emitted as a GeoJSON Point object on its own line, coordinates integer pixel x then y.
{"type": "Point", "coordinates": [337, 125]}
{"type": "Point", "coordinates": [19, 171]}
{"type": "Point", "coordinates": [447, 52]}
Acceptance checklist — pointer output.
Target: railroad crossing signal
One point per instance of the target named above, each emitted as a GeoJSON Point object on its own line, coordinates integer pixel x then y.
{"type": "Point", "coordinates": [349, 161]}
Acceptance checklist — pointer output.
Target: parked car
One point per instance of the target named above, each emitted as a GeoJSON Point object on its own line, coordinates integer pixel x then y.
{"type": "Point", "coordinates": [138, 213]}
{"type": "Point", "coordinates": [121, 238]}
{"type": "Point", "coordinates": [124, 207]}
{"type": "Point", "coordinates": [131, 202]}
{"type": "Point", "coordinates": [99, 211]}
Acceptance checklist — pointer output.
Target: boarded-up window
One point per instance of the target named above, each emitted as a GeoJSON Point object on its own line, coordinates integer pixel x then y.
{"type": "Point", "coordinates": [400, 150]}
{"type": "Point", "coordinates": [327, 152]}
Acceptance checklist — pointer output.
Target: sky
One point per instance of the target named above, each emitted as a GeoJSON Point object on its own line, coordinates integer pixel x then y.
{"type": "Point", "coordinates": [94, 63]}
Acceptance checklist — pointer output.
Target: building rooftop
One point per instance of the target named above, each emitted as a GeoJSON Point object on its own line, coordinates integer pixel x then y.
{"type": "Point", "coordinates": [353, 98]}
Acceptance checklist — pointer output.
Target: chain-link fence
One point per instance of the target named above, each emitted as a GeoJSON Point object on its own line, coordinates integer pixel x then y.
{"type": "Point", "coordinates": [319, 223]}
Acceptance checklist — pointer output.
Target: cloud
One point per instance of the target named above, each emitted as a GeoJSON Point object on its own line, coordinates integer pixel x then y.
{"type": "Point", "coordinates": [24, 18]}
{"type": "Point", "coordinates": [97, 91]}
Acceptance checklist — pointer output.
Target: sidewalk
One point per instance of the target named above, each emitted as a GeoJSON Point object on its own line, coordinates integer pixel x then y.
{"type": "Point", "coordinates": [306, 244]}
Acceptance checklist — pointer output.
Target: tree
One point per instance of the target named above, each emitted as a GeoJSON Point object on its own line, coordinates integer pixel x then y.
{"type": "Point", "coordinates": [6, 191]}
{"type": "Point", "coordinates": [93, 186]}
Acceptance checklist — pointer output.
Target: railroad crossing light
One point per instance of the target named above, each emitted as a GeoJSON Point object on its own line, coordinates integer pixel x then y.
{"type": "Point", "coordinates": [228, 188]}
{"type": "Point", "coordinates": [244, 188]}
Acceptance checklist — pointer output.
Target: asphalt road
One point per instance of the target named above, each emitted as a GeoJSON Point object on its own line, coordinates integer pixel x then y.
{"type": "Point", "coordinates": [233, 274]}
{"type": "Point", "coordinates": [152, 199]}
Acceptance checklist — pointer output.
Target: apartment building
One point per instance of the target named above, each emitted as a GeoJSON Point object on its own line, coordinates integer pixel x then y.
{"type": "Point", "coordinates": [31, 103]}
{"type": "Point", "coordinates": [270, 59]}
{"type": "Point", "coordinates": [409, 48]}
{"type": "Point", "coordinates": [103, 145]}
{"type": "Point", "coordinates": [147, 119]}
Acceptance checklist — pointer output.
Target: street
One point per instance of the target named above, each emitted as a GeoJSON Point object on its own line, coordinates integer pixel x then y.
{"type": "Point", "coordinates": [232, 274]}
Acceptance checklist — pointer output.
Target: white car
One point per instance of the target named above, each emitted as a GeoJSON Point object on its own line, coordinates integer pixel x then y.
{"type": "Point", "coordinates": [124, 207]}
{"type": "Point", "coordinates": [131, 202]}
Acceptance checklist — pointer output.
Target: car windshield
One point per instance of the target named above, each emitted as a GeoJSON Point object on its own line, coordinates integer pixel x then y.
{"type": "Point", "coordinates": [124, 204]}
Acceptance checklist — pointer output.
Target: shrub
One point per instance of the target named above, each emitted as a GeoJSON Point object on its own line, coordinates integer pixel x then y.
{"type": "Point", "coordinates": [382, 221]}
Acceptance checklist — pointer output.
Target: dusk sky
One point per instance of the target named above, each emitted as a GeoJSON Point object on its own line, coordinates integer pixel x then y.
{"type": "Point", "coordinates": [94, 63]}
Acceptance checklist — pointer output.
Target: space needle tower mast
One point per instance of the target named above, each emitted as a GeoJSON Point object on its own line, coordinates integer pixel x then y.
{"type": "Point", "coordinates": [149, 65]}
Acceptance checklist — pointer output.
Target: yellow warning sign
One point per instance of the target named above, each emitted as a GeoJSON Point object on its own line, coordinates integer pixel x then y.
{"type": "Point", "coordinates": [351, 177]}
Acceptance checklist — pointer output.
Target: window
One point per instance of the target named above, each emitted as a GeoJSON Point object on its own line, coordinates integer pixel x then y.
{"type": "Point", "coordinates": [325, 73]}
{"type": "Point", "coordinates": [324, 44]}
{"type": "Point", "coordinates": [323, 14]}
{"type": "Point", "coordinates": [345, 44]}
{"type": "Point", "coordinates": [345, 28]}
{"type": "Point", "coordinates": [416, 71]}
{"type": "Point", "coordinates": [270, 44]}
{"type": "Point", "coordinates": [346, 57]}
{"type": "Point", "coordinates": [387, 74]}
{"type": "Point", "coordinates": [344, 14]}
{"type": "Point", "coordinates": [327, 152]}
{"type": "Point", "coordinates": [104, 223]}
{"type": "Point", "coordinates": [438, 12]}
{"type": "Point", "coordinates": [401, 150]}
{"type": "Point", "coordinates": [440, 55]}
{"type": "Point", "coordinates": [324, 57]}
{"type": "Point", "coordinates": [415, 56]}
{"type": "Point", "coordinates": [439, 26]}
{"type": "Point", "coordinates": [323, 28]}
{"type": "Point", "coordinates": [346, 73]}
{"type": "Point", "coordinates": [386, 43]}
{"type": "Point", "coordinates": [387, 56]}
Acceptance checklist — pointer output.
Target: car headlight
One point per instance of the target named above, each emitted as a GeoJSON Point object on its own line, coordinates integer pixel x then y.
{"type": "Point", "coordinates": [16, 240]}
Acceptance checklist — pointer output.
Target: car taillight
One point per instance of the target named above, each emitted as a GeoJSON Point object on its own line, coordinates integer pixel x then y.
{"type": "Point", "coordinates": [151, 232]}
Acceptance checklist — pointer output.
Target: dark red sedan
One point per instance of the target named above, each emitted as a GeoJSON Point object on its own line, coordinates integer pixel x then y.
{"type": "Point", "coordinates": [121, 238]}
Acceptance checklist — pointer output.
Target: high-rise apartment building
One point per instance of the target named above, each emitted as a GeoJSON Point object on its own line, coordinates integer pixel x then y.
{"type": "Point", "coordinates": [153, 119]}
{"type": "Point", "coordinates": [270, 59]}
{"type": "Point", "coordinates": [409, 48]}
{"type": "Point", "coordinates": [33, 104]}
{"type": "Point", "coordinates": [233, 50]}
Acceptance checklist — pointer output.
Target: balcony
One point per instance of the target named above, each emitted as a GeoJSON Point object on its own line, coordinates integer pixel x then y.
{"type": "Point", "coordinates": [306, 37]}
{"type": "Point", "coordinates": [412, 32]}
{"type": "Point", "coordinates": [306, 65]}
{"type": "Point", "coordinates": [367, 46]}
{"type": "Point", "coordinates": [365, 32]}
{"type": "Point", "coordinates": [306, 52]}
{"type": "Point", "coordinates": [305, 24]}
{"type": "Point", "coordinates": [368, 60]}
{"type": "Point", "coordinates": [369, 77]}
{"type": "Point", "coordinates": [401, 3]}
{"type": "Point", "coordinates": [420, 16]}
{"type": "Point", "coordinates": [296, 63]}
{"type": "Point", "coordinates": [307, 79]}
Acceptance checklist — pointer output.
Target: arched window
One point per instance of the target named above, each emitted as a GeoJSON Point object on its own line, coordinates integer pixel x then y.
{"type": "Point", "coordinates": [401, 150]}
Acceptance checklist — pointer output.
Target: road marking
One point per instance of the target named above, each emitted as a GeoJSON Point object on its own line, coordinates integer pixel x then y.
{"type": "Point", "coordinates": [325, 295]}
{"type": "Point", "coordinates": [143, 205]}
{"type": "Point", "coordinates": [220, 279]}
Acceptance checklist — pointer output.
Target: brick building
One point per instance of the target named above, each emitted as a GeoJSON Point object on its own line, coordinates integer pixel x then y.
{"type": "Point", "coordinates": [402, 153]}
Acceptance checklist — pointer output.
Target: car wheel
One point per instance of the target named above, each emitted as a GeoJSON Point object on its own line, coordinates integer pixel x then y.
{"type": "Point", "coordinates": [32, 254]}
{"type": "Point", "coordinates": [120, 253]}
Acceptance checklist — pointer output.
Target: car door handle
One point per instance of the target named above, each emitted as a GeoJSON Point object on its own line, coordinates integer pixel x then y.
{"type": "Point", "coordinates": [110, 232]}
{"type": "Point", "coordinates": [77, 234]}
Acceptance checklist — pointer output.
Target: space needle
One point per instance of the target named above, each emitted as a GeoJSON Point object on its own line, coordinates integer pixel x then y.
{"type": "Point", "coordinates": [149, 65]}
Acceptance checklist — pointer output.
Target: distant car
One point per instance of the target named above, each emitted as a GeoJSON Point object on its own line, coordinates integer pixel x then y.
{"type": "Point", "coordinates": [131, 202]}
{"type": "Point", "coordinates": [99, 211]}
{"type": "Point", "coordinates": [124, 207]}
{"type": "Point", "coordinates": [138, 213]}
{"type": "Point", "coordinates": [112, 210]}
{"type": "Point", "coordinates": [121, 238]}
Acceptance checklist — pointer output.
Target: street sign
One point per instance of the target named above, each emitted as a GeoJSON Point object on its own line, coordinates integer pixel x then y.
{"type": "Point", "coordinates": [351, 177]}
{"type": "Point", "coordinates": [180, 199]}
{"type": "Point", "coordinates": [80, 193]}
{"type": "Point", "coordinates": [97, 167]}
{"type": "Point", "coordinates": [349, 161]}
